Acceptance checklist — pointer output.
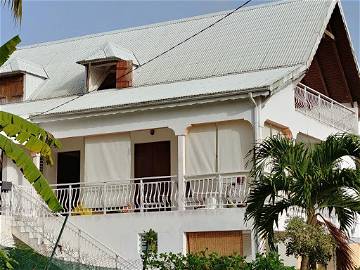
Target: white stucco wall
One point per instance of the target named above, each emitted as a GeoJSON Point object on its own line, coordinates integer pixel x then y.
{"type": "Point", "coordinates": [121, 231]}
{"type": "Point", "coordinates": [177, 119]}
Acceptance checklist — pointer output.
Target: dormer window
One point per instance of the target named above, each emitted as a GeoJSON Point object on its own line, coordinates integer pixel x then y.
{"type": "Point", "coordinates": [11, 88]}
{"type": "Point", "coordinates": [109, 67]}
{"type": "Point", "coordinates": [19, 78]}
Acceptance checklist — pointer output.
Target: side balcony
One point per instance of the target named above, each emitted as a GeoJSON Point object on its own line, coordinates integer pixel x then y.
{"type": "Point", "coordinates": [151, 194]}
{"type": "Point", "coordinates": [324, 109]}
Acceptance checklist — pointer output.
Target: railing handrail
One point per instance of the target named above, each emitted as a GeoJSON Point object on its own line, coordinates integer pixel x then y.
{"type": "Point", "coordinates": [239, 173]}
{"type": "Point", "coordinates": [71, 225]}
{"type": "Point", "coordinates": [313, 91]}
{"type": "Point", "coordinates": [120, 182]}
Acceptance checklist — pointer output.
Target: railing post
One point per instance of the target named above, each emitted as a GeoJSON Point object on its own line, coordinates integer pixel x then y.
{"type": "Point", "coordinates": [70, 200]}
{"type": "Point", "coordinates": [306, 99]}
{"type": "Point", "coordinates": [332, 114]}
{"type": "Point", "coordinates": [104, 198]}
{"type": "Point", "coordinates": [220, 183]}
{"type": "Point", "coordinates": [79, 247]}
{"type": "Point", "coordinates": [141, 195]}
{"type": "Point", "coordinates": [319, 105]}
{"type": "Point", "coordinates": [181, 173]}
{"type": "Point", "coordinates": [116, 261]}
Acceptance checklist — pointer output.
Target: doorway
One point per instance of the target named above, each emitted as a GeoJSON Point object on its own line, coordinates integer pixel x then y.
{"type": "Point", "coordinates": [68, 174]}
{"type": "Point", "coordinates": [152, 160]}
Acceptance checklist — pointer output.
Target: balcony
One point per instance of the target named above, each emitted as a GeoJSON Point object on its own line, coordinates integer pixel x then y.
{"type": "Point", "coordinates": [154, 194]}
{"type": "Point", "coordinates": [324, 109]}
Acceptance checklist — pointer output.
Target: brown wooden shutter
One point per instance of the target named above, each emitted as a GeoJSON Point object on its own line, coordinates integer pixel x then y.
{"type": "Point", "coordinates": [12, 87]}
{"type": "Point", "coordinates": [124, 74]}
{"type": "Point", "coordinates": [222, 242]}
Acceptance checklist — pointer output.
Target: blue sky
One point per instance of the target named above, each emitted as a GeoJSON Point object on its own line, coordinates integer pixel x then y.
{"type": "Point", "coordinates": [52, 19]}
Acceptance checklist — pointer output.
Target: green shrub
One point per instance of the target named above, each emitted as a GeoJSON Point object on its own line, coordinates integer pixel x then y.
{"type": "Point", "coordinates": [203, 260]}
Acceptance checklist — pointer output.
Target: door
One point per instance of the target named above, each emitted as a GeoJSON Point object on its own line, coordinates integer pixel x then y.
{"type": "Point", "coordinates": [68, 174]}
{"type": "Point", "coordinates": [153, 160]}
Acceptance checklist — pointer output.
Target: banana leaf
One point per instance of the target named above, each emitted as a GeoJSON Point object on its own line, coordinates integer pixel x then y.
{"type": "Point", "coordinates": [8, 48]}
{"type": "Point", "coordinates": [28, 134]}
{"type": "Point", "coordinates": [30, 172]}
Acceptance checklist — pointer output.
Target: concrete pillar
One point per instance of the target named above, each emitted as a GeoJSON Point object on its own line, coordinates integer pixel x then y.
{"type": "Point", "coordinates": [181, 171]}
{"type": "Point", "coordinates": [254, 245]}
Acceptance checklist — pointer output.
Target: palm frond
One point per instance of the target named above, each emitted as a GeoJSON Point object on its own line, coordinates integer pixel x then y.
{"type": "Point", "coordinates": [16, 8]}
{"type": "Point", "coordinates": [8, 48]}
{"type": "Point", "coordinates": [327, 153]}
{"type": "Point", "coordinates": [30, 171]}
{"type": "Point", "coordinates": [344, 253]}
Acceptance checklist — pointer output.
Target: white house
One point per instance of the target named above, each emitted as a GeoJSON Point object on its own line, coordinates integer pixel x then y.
{"type": "Point", "coordinates": [163, 144]}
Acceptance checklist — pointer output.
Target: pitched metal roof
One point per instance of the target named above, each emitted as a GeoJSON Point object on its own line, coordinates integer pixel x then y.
{"type": "Point", "coordinates": [264, 37]}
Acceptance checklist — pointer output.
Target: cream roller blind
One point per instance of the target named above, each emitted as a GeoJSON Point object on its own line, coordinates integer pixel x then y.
{"type": "Point", "coordinates": [201, 150]}
{"type": "Point", "coordinates": [107, 157]}
{"type": "Point", "coordinates": [235, 139]}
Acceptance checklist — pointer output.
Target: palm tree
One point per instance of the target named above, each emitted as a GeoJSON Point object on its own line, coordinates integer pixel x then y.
{"type": "Point", "coordinates": [16, 8]}
{"type": "Point", "coordinates": [311, 179]}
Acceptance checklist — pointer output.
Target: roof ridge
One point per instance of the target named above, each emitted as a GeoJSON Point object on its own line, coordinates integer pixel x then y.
{"type": "Point", "coordinates": [154, 25]}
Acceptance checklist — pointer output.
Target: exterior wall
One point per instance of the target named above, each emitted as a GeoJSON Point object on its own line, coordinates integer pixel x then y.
{"type": "Point", "coordinates": [177, 119]}
{"type": "Point", "coordinates": [121, 231]}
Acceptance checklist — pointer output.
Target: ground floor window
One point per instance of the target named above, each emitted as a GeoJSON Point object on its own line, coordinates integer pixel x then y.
{"type": "Point", "coordinates": [222, 242]}
{"type": "Point", "coordinates": [145, 239]}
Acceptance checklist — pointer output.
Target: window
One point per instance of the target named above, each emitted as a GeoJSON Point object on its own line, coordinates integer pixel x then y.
{"type": "Point", "coordinates": [109, 75]}
{"type": "Point", "coordinates": [273, 129]}
{"type": "Point", "coordinates": [142, 240]}
{"type": "Point", "coordinates": [224, 243]}
{"type": "Point", "coordinates": [11, 88]}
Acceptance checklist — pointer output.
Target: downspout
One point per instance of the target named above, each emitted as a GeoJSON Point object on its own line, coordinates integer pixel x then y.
{"type": "Point", "coordinates": [256, 117]}
{"type": "Point", "coordinates": [257, 138]}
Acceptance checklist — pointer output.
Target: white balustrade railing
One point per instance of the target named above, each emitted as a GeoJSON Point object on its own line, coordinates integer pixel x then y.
{"type": "Point", "coordinates": [75, 245]}
{"type": "Point", "coordinates": [325, 109]}
{"type": "Point", "coordinates": [142, 194]}
{"type": "Point", "coordinates": [216, 190]}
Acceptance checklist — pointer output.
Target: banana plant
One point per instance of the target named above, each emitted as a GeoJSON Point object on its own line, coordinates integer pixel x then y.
{"type": "Point", "coordinates": [8, 48]}
{"type": "Point", "coordinates": [19, 135]}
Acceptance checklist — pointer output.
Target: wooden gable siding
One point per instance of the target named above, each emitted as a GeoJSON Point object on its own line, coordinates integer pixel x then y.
{"type": "Point", "coordinates": [333, 70]}
{"type": "Point", "coordinates": [11, 88]}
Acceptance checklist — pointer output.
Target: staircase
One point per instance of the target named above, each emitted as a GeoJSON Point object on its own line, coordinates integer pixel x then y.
{"type": "Point", "coordinates": [35, 225]}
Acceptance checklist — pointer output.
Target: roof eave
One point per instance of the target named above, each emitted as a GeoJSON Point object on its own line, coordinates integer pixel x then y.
{"type": "Point", "coordinates": [151, 105]}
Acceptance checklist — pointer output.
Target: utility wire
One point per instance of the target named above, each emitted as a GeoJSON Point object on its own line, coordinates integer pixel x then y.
{"type": "Point", "coordinates": [155, 57]}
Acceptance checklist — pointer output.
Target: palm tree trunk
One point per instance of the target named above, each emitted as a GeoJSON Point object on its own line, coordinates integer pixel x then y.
{"type": "Point", "coordinates": [311, 219]}
{"type": "Point", "coordinates": [304, 263]}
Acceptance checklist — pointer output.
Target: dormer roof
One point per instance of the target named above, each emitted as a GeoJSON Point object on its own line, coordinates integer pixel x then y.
{"type": "Point", "coordinates": [109, 52]}
{"type": "Point", "coordinates": [18, 65]}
